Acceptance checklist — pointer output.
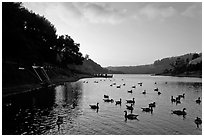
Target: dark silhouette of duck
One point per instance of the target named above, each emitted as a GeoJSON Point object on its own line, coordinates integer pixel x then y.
{"type": "Point", "coordinates": [178, 100]}
{"type": "Point", "coordinates": [198, 101]}
{"type": "Point", "coordinates": [108, 100]}
{"type": "Point", "coordinates": [133, 86]}
{"type": "Point", "coordinates": [179, 112]}
{"type": "Point", "coordinates": [74, 104]}
{"type": "Point", "coordinates": [129, 91]}
{"type": "Point", "coordinates": [198, 121]}
{"type": "Point", "coordinates": [118, 102]}
{"type": "Point", "coordinates": [144, 92]}
{"type": "Point", "coordinates": [182, 96]}
{"type": "Point", "coordinates": [130, 116]}
{"type": "Point", "coordinates": [131, 101]}
{"type": "Point", "coordinates": [156, 89]}
{"type": "Point", "coordinates": [148, 109]}
{"type": "Point", "coordinates": [153, 104]}
{"type": "Point", "coordinates": [140, 83]}
{"type": "Point", "coordinates": [173, 99]}
{"type": "Point", "coordinates": [118, 86]}
{"type": "Point", "coordinates": [59, 121]}
{"type": "Point", "coordinates": [159, 93]}
{"type": "Point", "coordinates": [129, 107]}
{"type": "Point", "coordinates": [106, 96]}
{"type": "Point", "coordinates": [94, 106]}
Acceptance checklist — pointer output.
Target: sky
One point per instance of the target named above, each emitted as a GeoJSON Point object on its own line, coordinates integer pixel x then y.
{"type": "Point", "coordinates": [127, 33]}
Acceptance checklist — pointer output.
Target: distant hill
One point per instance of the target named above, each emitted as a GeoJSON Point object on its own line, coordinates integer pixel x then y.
{"type": "Point", "coordinates": [159, 66]}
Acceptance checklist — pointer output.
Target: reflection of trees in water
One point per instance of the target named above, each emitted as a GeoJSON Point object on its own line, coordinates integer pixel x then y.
{"type": "Point", "coordinates": [28, 113]}
{"type": "Point", "coordinates": [67, 102]}
{"type": "Point", "coordinates": [196, 86]}
{"type": "Point", "coordinates": [72, 93]}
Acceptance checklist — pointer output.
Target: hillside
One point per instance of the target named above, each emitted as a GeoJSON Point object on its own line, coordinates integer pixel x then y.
{"type": "Point", "coordinates": [159, 66]}
{"type": "Point", "coordinates": [89, 67]}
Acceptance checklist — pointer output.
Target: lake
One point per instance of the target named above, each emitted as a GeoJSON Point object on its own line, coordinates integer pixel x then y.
{"type": "Point", "coordinates": [37, 112]}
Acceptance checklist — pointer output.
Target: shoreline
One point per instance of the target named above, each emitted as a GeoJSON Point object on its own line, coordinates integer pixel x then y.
{"type": "Point", "coordinates": [20, 89]}
{"type": "Point", "coordinates": [181, 75]}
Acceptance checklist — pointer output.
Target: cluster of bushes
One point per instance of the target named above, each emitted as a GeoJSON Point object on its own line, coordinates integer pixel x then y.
{"type": "Point", "coordinates": [28, 38]}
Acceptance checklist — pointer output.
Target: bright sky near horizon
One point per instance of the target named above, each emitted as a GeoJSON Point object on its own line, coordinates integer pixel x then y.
{"type": "Point", "coordinates": [127, 33]}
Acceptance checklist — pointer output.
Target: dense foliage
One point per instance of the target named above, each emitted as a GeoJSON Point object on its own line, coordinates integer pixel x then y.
{"type": "Point", "coordinates": [29, 38]}
{"type": "Point", "coordinates": [181, 65]}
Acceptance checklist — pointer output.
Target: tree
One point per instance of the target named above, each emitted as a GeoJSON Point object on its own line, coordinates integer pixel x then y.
{"type": "Point", "coordinates": [179, 66]}
{"type": "Point", "coordinates": [30, 38]}
{"type": "Point", "coordinates": [196, 55]}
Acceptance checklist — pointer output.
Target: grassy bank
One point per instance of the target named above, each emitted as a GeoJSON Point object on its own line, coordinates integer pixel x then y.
{"type": "Point", "coordinates": [16, 81]}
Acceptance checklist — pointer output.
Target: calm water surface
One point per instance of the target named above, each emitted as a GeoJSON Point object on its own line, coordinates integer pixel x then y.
{"type": "Point", "coordinates": [37, 113]}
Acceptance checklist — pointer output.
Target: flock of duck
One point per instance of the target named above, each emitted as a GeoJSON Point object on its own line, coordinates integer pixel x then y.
{"type": "Point", "coordinates": [130, 103]}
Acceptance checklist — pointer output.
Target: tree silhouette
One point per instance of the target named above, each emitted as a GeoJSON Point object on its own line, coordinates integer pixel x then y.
{"type": "Point", "coordinates": [30, 38]}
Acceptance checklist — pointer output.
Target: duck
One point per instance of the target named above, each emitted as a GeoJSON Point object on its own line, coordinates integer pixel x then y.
{"type": "Point", "coordinates": [123, 84]}
{"type": "Point", "coordinates": [152, 104]}
{"type": "Point", "coordinates": [178, 102]}
{"type": "Point", "coordinates": [131, 101]}
{"type": "Point", "coordinates": [156, 89]}
{"type": "Point", "coordinates": [130, 116]}
{"type": "Point", "coordinates": [173, 99]}
{"type": "Point", "coordinates": [178, 98]}
{"type": "Point", "coordinates": [129, 91]}
{"type": "Point", "coordinates": [74, 104]}
{"type": "Point", "coordinates": [129, 107]}
{"type": "Point", "coordinates": [118, 102]}
{"type": "Point", "coordinates": [159, 93]}
{"type": "Point", "coordinates": [59, 121]}
{"type": "Point", "coordinates": [106, 96]}
{"type": "Point", "coordinates": [140, 83]}
{"type": "Point", "coordinates": [182, 96]}
{"type": "Point", "coordinates": [198, 100]}
{"type": "Point", "coordinates": [179, 112]}
{"type": "Point", "coordinates": [149, 109]}
{"type": "Point", "coordinates": [118, 86]}
{"type": "Point", "coordinates": [198, 122]}
{"type": "Point", "coordinates": [133, 86]}
{"type": "Point", "coordinates": [144, 92]}
{"type": "Point", "coordinates": [94, 106]}
{"type": "Point", "coordinates": [108, 100]}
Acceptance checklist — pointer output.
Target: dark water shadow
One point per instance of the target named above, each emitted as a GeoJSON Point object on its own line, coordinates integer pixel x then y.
{"type": "Point", "coordinates": [36, 112]}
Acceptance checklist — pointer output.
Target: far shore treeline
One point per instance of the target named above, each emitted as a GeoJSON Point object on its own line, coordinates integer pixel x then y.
{"type": "Point", "coordinates": [184, 65]}
{"type": "Point", "coordinates": [29, 38]}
